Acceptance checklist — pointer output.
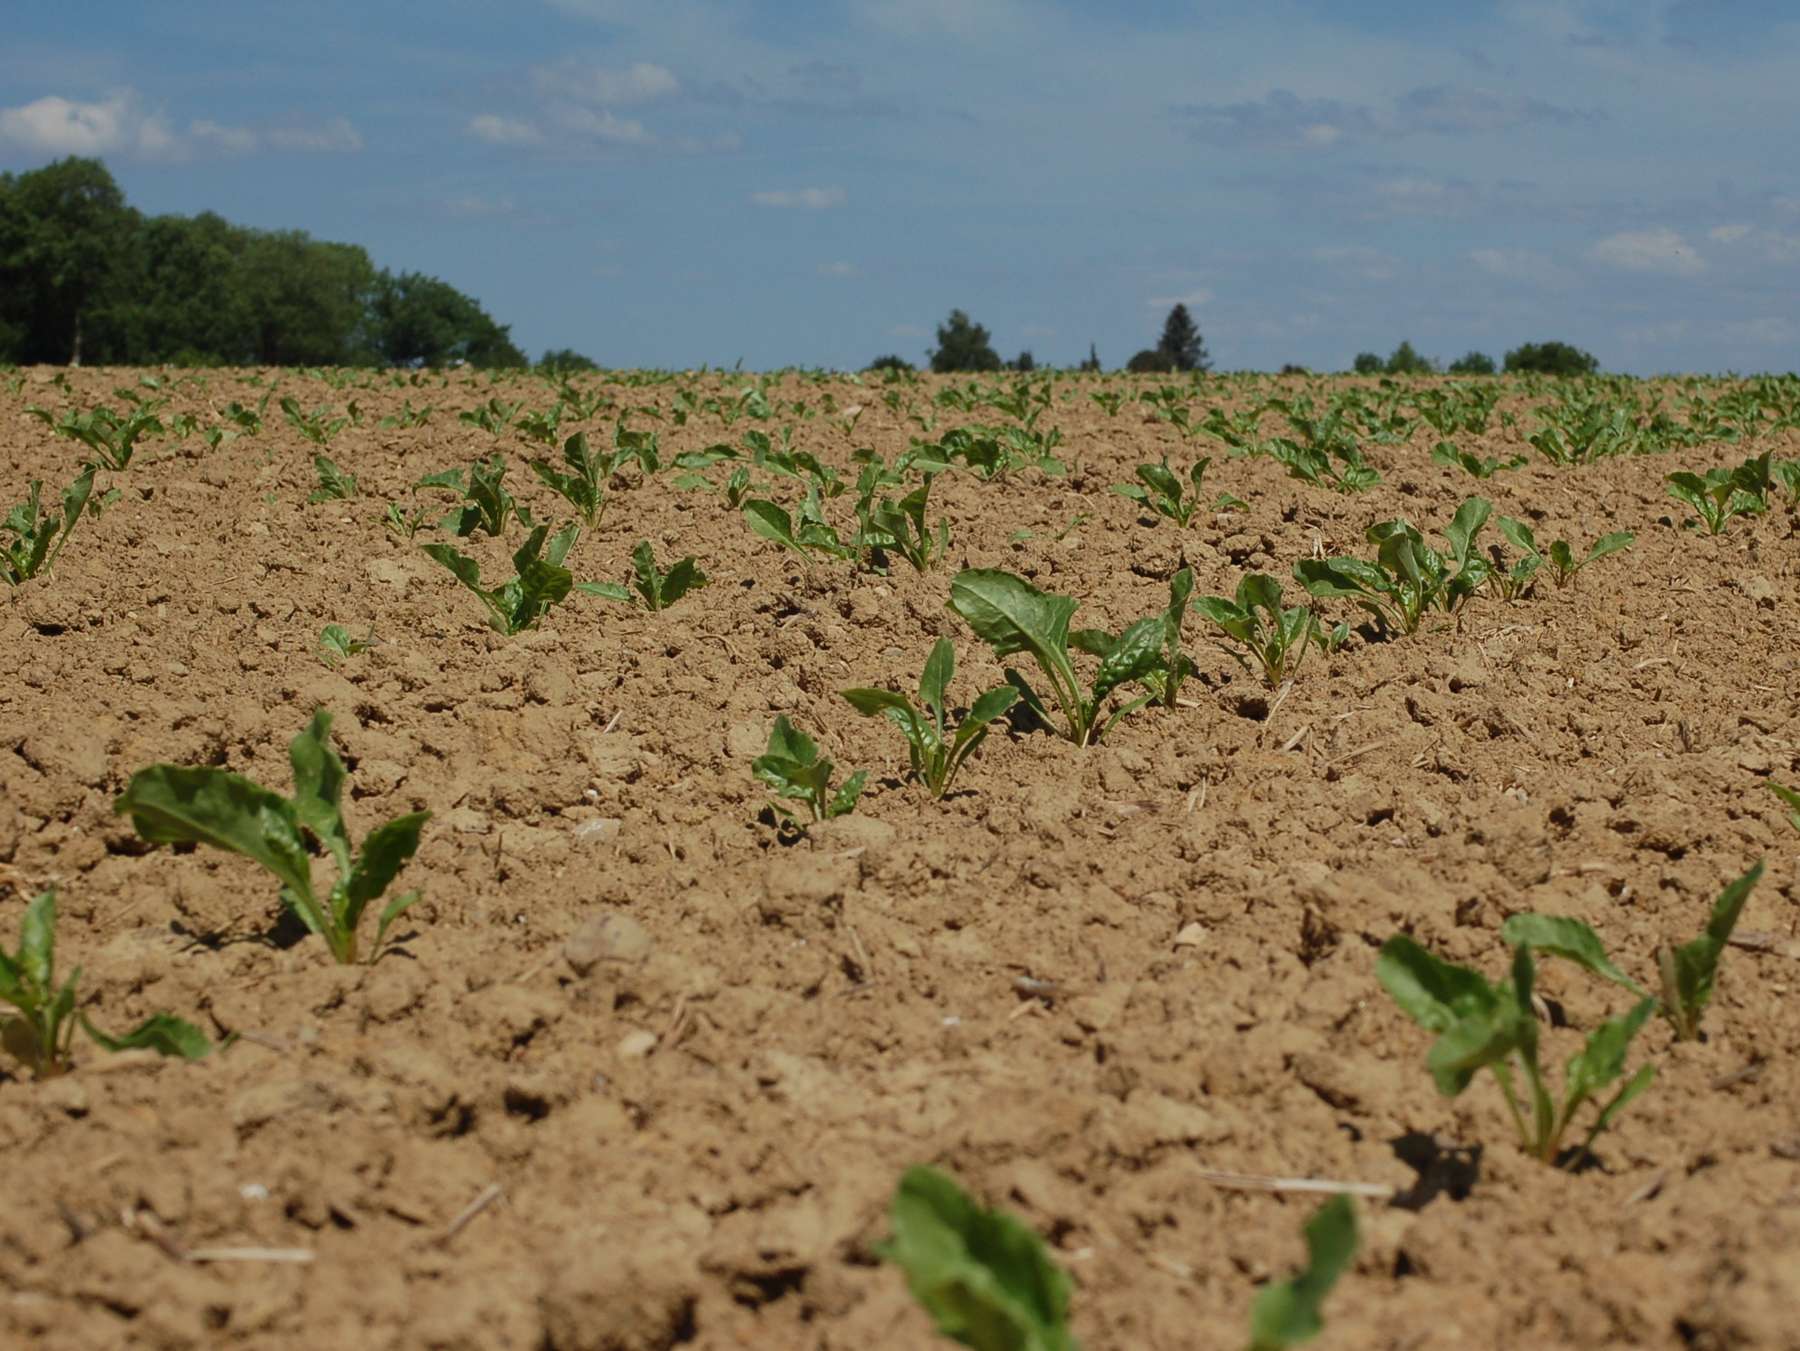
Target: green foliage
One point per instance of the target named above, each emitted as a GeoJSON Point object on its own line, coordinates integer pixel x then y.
{"type": "Point", "coordinates": [900, 526]}
{"type": "Point", "coordinates": [1561, 559]}
{"type": "Point", "coordinates": [1407, 577]}
{"type": "Point", "coordinates": [565, 361]}
{"type": "Point", "coordinates": [539, 583]}
{"type": "Point", "coordinates": [175, 804]}
{"type": "Point", "coordinates": [111, 437]}
{"type": "Point", "coordinates": [963, 346]}
{"type": "Point", "coordinates": [1367, 363]}
{"type": "Point", "coordinates": [419, 320]}
{"type": "Point", "coordinates": [1720, 494]}
{"type": "Point", "coordinates": [34, 538]}
{"type": "Point", "coordinates": [1150, 361]}
{"type": "Point", "coordinates": [987, 1281]}
{"type": "Point", "coordinates": [338, 645]}
{"type": "Point", "coordinates": [1446, 453]}
{"type": "Point", "coordinates": [890, 362]}
{"type": "Point", "coordinates": [1287, 1313]}
{"type": "Point", "coordinates": [1181, 343]}
{"type": "Point", "coordinates": [810, 536]}
{"type": "Point", "coordinates": [318, 426]}
{"type": "Point", "coordinates": [42, 1030]}
{"type": "Point", "coordinates": [1276, 639]}
{"type": "Point", "coordinates": [1786, 474]}
{"type": "Point", "coordinates": [793, 767]}
{"type": "Point", "coordinates": [1495, 1027]}
{"type": "Point", "coordinates": [493, 417]}
{"type": "Point", "coordinates": [584, 486]}
{"type": "Point", "coordinates": [1689, 972]}
{"type": "Point", "coordinates": [1472, 363]}
{"type": "Point", "coordinates": [1325, 452]}
{"type": "Point", "coordinates": [656, 590]}
{"type": "Point", "coordinates": [1791, 796]}
{"type": "Point", "coordinates": [937, 750]}
{"type": "Point", "coordinates": [1404, 361]}
{"type": "Point", "coordinates": [487, 505]}
{"type": "Point", "coordinates": [1164, 679]}
{"type": "Point", "coordinates": [1162, 491]}
{"type": "Point", "coordinates": [334, 484]}
{"type": "Point", "coordinates": [1551, 358]}
{"type": "Point", "coordinates": [1011, 616]}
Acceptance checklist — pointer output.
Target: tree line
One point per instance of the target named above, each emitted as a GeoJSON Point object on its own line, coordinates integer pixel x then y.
{"type": "Point", "coordinates": [84, 276]}
{"type": "Point", "coordinates": [964, 345]}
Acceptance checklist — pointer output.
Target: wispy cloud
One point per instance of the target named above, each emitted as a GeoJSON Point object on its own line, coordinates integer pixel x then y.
{"type": "Point", "coordinates": [1282, 119]}
{"type": "Point", "coordinates": [1658, 250]}
{"type": "Point", "coordinates": [118, 124]}
{"type": "Point", "coordinates": [1519, 265]}
{"type": "Point", "coordinates": [210, 135]}
{"type": "Point", "coordinates": [839, 269]}
{"type": "Point", "coordinates": [805, 199]}
{"type": "Point", "coordinates": [582, 82]}
{"type": "Point", "coordinates": [497, 130]}
{"type": "Point", "coordinates": [471, 206]}
{"type": "Point", "coordinates": [1358, 260]}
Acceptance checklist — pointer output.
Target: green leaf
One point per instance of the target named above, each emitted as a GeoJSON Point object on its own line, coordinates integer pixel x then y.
{"type": "Point", "coordinates": [1012, 616]}
{"type": "Point", "coordinates": [1602, 1059]}
{"type": "Point", "coordinates": [174, 804]}
{"type": "Point", "coordinates": [934, 680]}
{"type": "Point", "coordinates": [1790, 796]}
{"type": "Point", "coordinates": [37, 944]}
{"type": "Point", "coordinates": [986, 1279]}
{"type": "Point", "coordinates": [772, 523]}
{"type": "Point", "coordinates": [1287, 1313]}
{"type": "Point", "coordinates": [608, 590]}
{"type": "Point", "coordinates": [319, 788]}
{"type": "Point", "coordinates": [161, 1032]}
{"type": "Point", "coordinates": [1691, 971]}
{"type": "Point", "coordinates": [1568, 938]}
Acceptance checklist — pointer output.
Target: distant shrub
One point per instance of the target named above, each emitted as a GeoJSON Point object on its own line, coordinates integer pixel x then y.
{"type": "Point", "coordinates": [1474, 363]}
{"type": "Point", "coordinates": [1151, 361]}
{"type": "Point", "coordinates": [1025, 362]}
{"type": "Point", "coordinates": [1404, 361]}
{"type": "Point", "coordinates": [567, 359]}
{"type": "Point", "coordinates": [1367, 363]}
{"type": "Point", "coordinates": [1292, 369]}
{"type": "Point", "coordinates": [963, 346]}
{"type": "Point", "coordinates": [1551, 358]}
{"type": "Point", "coordinates": [1093, 359]}
{"type": "Point", "coordinates": [890, 362]}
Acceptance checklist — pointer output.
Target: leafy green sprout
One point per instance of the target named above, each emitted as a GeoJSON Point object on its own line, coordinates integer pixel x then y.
{"type": "Point", "coordinates": [1288, 1313]}
{"type": "Point", "coordinates": [1559, 556]}
{"type": "Point", "coordinates": [1165, 677]}
{"type": "Point", "coordinates": [318, 426]}
{"type": "Point", "coordinates": [540, 581]}
{"type": "Point", "coordinates": [1406, 579]}
{"type": "Point", "coordinates": [1716, 496]}
{"type": "Point", "coordinates": [177, 804]}
{"type": "Point", "coordinates": [337, 643]}
{"type": "Point", "coordinates": [334, 484]}
{"type": "Point", "coordinates": [1011, 616]}
{"type": "Point", "coordinates": [111, 437]}
{"type": "Point", "coordinates": [793, 767]}
{"type": "Point", "coordinates": [985, 1278]}
{"type": "Point", "coordinates": [1688, 974]}
{"type": "Point", "coordinates": [655, 589]}
{"type": "Point", "coordinates": [35, 538]}
{"type": "Point", "coordinates": [42, 1031]}
{"type": "Point", "coordinates": [584, 485]}
{"type": "Point", "coordinates": [1161, 490]}
{"type": "Point", "coordinates": [1494, 1026]}
{"type": "Point", "coordinates": [807, 536]}
{"type": "Point", "coordinates": [1276, 639]}
{"type": "Point", "coordinates": [487, 505]}
{"type": "Point", "coordinates": [936, 749]}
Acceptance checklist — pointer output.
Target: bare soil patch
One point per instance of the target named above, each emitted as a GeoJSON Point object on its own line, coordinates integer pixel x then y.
{"type": "Point", "coordinates": [644, 1071]}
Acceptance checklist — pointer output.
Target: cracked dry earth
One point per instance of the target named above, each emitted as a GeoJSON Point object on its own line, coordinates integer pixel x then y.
{"type": "Point", "coordinates": [643, 1071]}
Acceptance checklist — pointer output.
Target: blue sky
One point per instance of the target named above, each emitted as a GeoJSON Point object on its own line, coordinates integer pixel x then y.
{"type": "Point", "coordinates": [691, 181]}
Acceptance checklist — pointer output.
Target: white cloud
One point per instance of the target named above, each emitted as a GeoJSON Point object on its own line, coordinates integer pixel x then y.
{"type": "Point", "coordinates": [497, 130]}
{"type": "Point", "coordinates": [1727, 234]}
{"type": "Point", "coordinates": [1655, 250]}
{"type": "Point", "coordinates": [337, 135]}
{"type": "Point", "coordinates": [837, 269]}
{"type": "Point", "coordinates": [602, 125]}
{"type": "Point", "coordinates": [1193, 300]}
{"type": "Point", "coordinates": [60, 126]}
{"type": "Point", "coordinates": [1770, 330]}
{"type": "Point", "coordinates": [807, 199]}
{"type": "Point", "coordinates": [908, 331]}
{"type": "Point", "coordinates": [956, 18]}
{"type": "Point", "coordinates": [216, 136]}
{"type": "Point", "coordinates": [637, 83]}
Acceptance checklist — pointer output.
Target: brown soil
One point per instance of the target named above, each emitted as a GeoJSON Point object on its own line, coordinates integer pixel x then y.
{"type": "Point", "coordinates": [693, 1055]}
